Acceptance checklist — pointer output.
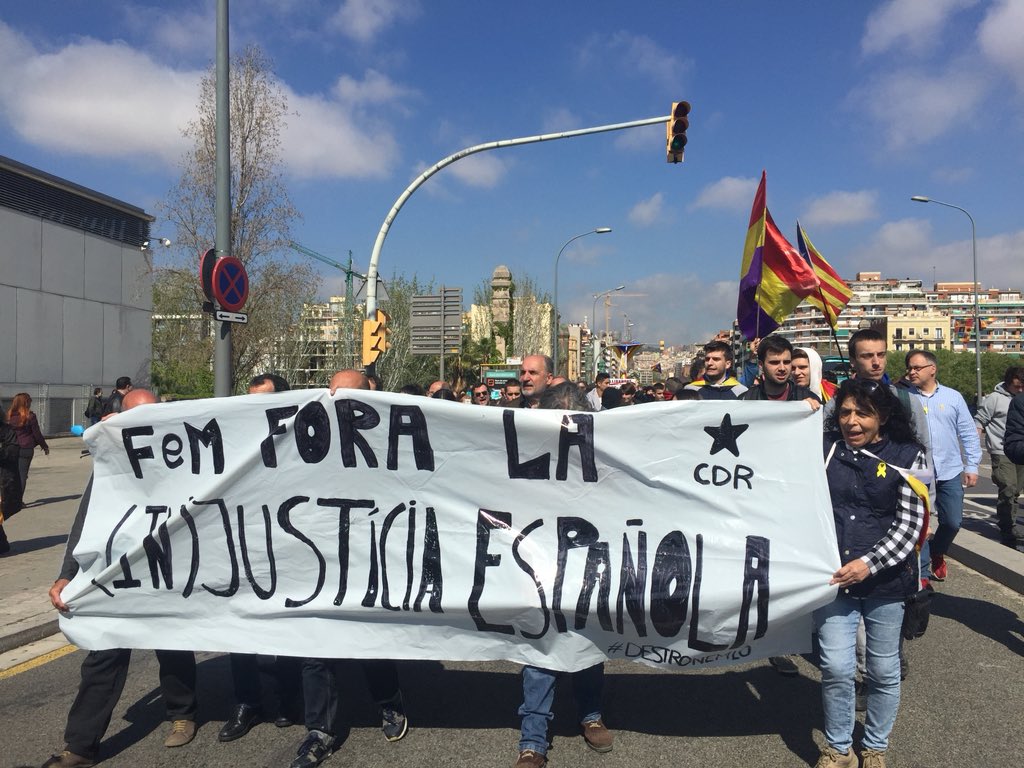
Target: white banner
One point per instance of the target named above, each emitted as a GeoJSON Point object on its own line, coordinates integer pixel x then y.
{"type": "Point", "coordinates": [377, 525]}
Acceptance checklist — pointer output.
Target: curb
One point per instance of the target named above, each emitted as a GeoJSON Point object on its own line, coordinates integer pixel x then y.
{"type": "Point", "coordinates": [29, 635]}
{"type": "Point", "coordinates": [989, 558]}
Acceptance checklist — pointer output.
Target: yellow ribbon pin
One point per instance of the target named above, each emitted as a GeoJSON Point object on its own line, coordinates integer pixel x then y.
{"type": "Point", "coordinates": [881, 469]}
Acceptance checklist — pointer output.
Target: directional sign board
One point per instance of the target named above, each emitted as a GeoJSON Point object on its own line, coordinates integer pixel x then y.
{"type": "Point", "coordinates": [436, 323]}
{"type": "Point", "coordinates": [230, 283]}
{"type": "Point", "coordinates": [230, 317]}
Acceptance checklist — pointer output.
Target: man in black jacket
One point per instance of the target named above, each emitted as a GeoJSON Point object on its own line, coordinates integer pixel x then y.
{"type": "Point", "coordinates": [775, 355]}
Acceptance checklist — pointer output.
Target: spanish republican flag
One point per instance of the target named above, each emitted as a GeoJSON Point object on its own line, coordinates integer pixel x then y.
{"type": "Point", "coordinates": [774, 278]}
{"type": "Point", "coordinates": [833, 294]}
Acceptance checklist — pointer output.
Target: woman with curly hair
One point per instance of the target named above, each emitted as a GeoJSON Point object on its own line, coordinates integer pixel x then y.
{"type": "Point", "coordinates": [872, 458]}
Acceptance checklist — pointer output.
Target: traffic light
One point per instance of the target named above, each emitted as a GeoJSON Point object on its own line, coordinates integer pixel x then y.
{"type": "Point", "coordinates": [610, 364]}
{"type": "Point", "coordinates": [375, 337]}
{"type": "Point", "coordinates": [675, 131]}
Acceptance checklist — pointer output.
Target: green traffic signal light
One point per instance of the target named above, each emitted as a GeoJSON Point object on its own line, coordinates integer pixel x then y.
{"type": "Point", "coordinates": [676, 131]}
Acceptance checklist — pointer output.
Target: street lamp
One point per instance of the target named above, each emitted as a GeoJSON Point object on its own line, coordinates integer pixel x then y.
{"type": "Point", "coordinates": [148, 245]}
{"type": "Point", "coordinates": [554, 349]}
{"type": "Point", "coordinates": [974, 258]}
{"type": "Point", "coordinates": [596, 342]}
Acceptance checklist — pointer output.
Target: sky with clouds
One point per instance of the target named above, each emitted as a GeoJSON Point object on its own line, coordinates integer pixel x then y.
{"type": "Point", "coordinates": [851, 108]}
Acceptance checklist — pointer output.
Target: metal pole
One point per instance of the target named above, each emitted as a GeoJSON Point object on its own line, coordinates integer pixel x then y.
{"type": "Point", "coordinates": [222, 331]}
{"type": "Point", "coordinates": [441, 376]}
{"type": "Point", "coordinates": [371, 273]}
{"type": "Point", "coordinates": [554, 348]}
{"type": "Point", "coordinates": [977, 313]}
{"type": "Point", "coordinates": [593, 321]}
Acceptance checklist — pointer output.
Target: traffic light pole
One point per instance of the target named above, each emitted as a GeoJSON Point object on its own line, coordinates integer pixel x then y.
{"type": "Point", "coordinates": [371, 273]}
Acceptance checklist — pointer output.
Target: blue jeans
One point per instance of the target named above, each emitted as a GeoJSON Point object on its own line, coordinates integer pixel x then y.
{"type": "Point", "coordinates": [539, 694]}
{"type": "Point", "coordinates": [836, 624]}
{"type": "Point", "coordinates": [949, 506]}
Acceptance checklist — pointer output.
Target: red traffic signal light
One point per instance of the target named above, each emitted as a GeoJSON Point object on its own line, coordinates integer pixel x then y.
{"type": "Point", "coordinates": [675, 131]}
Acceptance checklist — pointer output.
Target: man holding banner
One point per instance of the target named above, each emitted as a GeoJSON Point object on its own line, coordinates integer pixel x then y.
{"type": "Point", "coordinates": [539, 684]}
{"type": "Point", "coordinates": [104, 671]}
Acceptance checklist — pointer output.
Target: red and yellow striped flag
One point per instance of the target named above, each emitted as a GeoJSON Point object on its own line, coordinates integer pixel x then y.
{"type": "Point", "coordinates": [833, 294]}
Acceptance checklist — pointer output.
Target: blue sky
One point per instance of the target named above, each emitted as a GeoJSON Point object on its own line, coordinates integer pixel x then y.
{"type": "Point", "coordinates": [850, 107]}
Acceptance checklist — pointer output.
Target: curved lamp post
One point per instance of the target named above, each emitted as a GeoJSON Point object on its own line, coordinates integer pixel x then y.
{"type": "Point", "coordinates": [593, 313]}
{"type": "Point", "coordinates": [554, 348]}
{"type": "Point", "coordinates": [974, 258]}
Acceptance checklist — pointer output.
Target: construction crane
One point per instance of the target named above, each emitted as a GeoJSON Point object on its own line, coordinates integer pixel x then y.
{"type": "Point", "coordinates": [349, 296]}
{"type": "Point", "coordinates": [349, 272]}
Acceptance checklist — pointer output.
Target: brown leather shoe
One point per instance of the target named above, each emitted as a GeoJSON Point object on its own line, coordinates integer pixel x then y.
{"type": "Point", "coordinates": [598, 737]}
{"type": "Point", "coordinates": [530, 759]}
{"type": "Point", "coordinates": [182, 732]}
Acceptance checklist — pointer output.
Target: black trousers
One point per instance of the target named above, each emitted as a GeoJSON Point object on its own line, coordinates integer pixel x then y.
{"type": "Point", "coordinates": [103, 678]}
{"type": "Point", "coordinates": [287, 671]}
{"type": "Point", "coordinates": [320, 689]}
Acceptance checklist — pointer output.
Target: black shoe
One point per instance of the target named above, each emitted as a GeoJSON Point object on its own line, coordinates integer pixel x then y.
{"type": "Point", "coordinates": [283, 721]}
{"type": "Point", "coordinates": [5, 547]}
{"type": "Point", "coordinates": [313, 750]}
{"type": "Point", "coordinates": [861, 696]}
{"type": "Point", "coordinates": [241, 722]}
{"type": "Point", "coordinates": [393, 721]}
{"type": "Point", "coordinates": [784, 666]}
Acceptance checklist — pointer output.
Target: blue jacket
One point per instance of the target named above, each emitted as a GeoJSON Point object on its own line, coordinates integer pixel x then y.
{"type": "Point", "coordinates": [864, 505]}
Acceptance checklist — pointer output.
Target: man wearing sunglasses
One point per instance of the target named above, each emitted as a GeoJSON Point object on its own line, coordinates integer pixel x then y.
{"type": "Point", "coordinates": [481, 395]}
{"type": "Point", "coordinates": [951, 427]}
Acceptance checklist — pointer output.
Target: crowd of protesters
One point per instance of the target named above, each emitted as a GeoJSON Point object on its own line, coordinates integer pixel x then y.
{"type": "Point", "coordinates": [870, 425]}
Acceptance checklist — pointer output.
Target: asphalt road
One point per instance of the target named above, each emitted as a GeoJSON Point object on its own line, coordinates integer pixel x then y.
{"type": "Point", "coordinates": [961, 707]}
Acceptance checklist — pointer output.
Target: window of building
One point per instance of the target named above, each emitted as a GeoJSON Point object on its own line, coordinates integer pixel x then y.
{"type": "Point", "coordinates": [924, 331]}
{"type": "Point", "coordinates": [938, 333]}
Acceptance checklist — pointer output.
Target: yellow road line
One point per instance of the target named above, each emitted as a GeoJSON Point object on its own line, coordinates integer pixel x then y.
{"type": "Point", "coordinates": [46, 658]}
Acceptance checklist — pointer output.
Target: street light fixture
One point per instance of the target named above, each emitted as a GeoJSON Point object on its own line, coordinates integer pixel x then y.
{"type": "Point", "coordinates": [974, 258]}
{"type": "Point", "coordinates": [596, 342]}
{"type": "Point", "coordinates": [554, 348]}
{"type": "Point", "coordinates": [147, 245]}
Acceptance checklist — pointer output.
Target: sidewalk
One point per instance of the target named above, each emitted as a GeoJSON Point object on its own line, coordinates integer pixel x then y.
{"type": "Point", "coordinates": [55, 484]}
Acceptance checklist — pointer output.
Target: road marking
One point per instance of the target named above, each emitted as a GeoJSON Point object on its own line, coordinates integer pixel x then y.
{"type": "Point", "coordinates": [38, 661]}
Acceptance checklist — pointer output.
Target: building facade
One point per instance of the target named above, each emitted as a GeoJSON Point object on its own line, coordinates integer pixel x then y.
{"type": "Point", "coordinates": [915, 317]}
{"type": "Point", "coordinates": [75, 293]}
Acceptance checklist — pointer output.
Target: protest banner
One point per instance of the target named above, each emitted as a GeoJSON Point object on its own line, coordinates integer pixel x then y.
{"type": "Point", "coordinates": [379, 525]}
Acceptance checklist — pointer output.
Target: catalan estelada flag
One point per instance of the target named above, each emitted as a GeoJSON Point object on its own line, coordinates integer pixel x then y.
{"type": "Point", "coordinates": [833, 294]}
{"type": "Point", "coordinates": [774, 278]}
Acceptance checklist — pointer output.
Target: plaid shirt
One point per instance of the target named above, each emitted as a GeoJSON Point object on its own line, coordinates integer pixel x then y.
{"type": "Point", "coordinates": [899, 541]}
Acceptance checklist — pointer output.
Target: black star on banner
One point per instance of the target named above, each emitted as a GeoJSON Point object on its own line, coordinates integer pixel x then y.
{"type": "Point", "coordinates": [725, 435]}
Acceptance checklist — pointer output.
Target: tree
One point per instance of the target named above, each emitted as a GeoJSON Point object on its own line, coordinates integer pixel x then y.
{"type": "Point", "coordinates": [261, 218]}
{"type": "Point", "coordinates": [957, 370]}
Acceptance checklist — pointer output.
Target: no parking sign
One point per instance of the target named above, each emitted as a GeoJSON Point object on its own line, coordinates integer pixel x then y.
{"type": "Point", "coordinates": [230, 283]}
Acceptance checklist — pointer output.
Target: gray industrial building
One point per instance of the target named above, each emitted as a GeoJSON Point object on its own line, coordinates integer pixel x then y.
{"type": "Point", "coordinates": [75, 293]}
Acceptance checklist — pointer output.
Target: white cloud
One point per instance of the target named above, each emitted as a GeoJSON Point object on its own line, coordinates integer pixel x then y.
{"type": "Point", "coordinates": [952, 176]}
{"type": "Point", "coordinates": [841, 208]}
{"type": "Point", "coordinates": [676, 307]}
{"type": "Point", "coordinates": [635, 54]}
{"type": "Point", "coordinates": [363, 20]}
{"type": "Point", "coordinates": [374, 88]}
{"type": "Point", "coordinates": [647, 212]}
{"type": "Point", "coordinates": [999, 260]}
{"type": "Point", "coordinates": [649, 139]}
{"type": "Point", "coordinates": [913, 26]}
{"type": "Point", "coordinates": [999, 37]}
{"type": "Point", "coordinates": [913, 107]}
{"type": "Point", "coordinates": [321, 140]}
{"type": "Point", "coordinates": [481, 170]}
{"type": "Point", "coordinates": [560, 119]}
{"type": "Point", "coordinates": [730, 193]}
{"type": "Point", "coordinates": [95, 99]}
{"type": "Point", "coordinates": [122, 103]}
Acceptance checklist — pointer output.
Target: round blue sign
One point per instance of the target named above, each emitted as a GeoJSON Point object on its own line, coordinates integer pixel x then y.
{"type": "Point", "coordinates": [230, 283]}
